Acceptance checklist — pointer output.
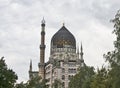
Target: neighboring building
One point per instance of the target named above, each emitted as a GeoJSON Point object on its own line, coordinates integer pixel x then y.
{"type": "Point", "coordinates": [64, 59]}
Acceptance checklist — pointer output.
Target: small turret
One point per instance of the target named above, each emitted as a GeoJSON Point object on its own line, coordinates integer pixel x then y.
{"type": "Point", "coordinates": [81, 55]}
{"type": "Point", "coordinates": [30, 69]}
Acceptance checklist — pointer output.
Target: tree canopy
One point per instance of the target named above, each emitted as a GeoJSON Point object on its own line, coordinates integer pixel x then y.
{"type": "Point", "coordinates": [83, 78]}
{"type": "Point", "coordinates": [113, 57]}
{"type": "Point", "coordinates": [57, 84]}
{"type": "Point", "coordinates": [36, 82]}
{"type": "Point", "coordinates": [7, 76]}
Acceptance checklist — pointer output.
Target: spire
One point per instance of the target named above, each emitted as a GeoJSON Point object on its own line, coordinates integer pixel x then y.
{"type": "Point", "coordinates": [30, 65]}
{"type": "Point", "coordinates": [43, 21]}
{"type": "Point", "coordinates": [63, 24]}
{"type": "Point", "coordinates": [81, 47]}
{"type": "Point", "coordinates": [81, 55]}
{"type": "Point", "coordinates": [43, 26]}
{"type": "Point", "coordinates": [81, 52]}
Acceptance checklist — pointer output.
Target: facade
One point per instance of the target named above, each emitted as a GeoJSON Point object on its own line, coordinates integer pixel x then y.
{"type": "Point", "coordinates": [64, 59]}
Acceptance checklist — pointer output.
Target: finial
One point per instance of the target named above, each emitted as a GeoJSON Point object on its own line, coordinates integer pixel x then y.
{"type": "Point", "coordinates": [43, 21]}
{"type": "Point", "coordinates": [63, 24]}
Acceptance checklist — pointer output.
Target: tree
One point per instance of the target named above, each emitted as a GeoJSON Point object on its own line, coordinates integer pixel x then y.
{"type": "Point", "coordinates": [7, 76]}
{"type": "Point", "coordinates": [113, 57]}
{"type": "Point", "coordinates": [57, 84]}
{"type": "Point", "coordinates": [101, 79]}
{"type": "Point", "coordinates": [21, 85]}
{"type": "Point", "coordinates": [83, 78]}
{"type": "Point", "coordinates": [36, 82]}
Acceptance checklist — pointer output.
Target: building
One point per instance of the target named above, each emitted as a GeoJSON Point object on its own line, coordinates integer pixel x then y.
{"type": "Point", "coordinates": [64, 59]}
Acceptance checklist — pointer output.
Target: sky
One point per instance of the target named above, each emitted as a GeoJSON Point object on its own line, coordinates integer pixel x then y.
{"type": "Point", "coordinates": [20, 26]}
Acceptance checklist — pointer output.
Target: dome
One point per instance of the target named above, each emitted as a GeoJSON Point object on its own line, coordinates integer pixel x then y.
{"type": "Point", "coordinates": [63, 39]}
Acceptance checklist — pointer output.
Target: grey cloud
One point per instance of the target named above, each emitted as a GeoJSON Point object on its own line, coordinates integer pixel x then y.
{"type": "Point", "coordinates": [104, 10]}
{"type": "Point", "coordinates": [24, 2]}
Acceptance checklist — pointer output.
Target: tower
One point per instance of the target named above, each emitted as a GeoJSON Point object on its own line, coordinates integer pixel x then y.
{"type": "Point", "coordinates": [42, 51]}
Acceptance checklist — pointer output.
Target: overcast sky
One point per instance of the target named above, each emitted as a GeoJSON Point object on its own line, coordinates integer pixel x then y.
{"type": "Point", "coordinates": [20, 26]}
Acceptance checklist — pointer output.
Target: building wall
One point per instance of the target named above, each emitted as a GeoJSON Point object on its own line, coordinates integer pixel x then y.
{"type": "Point", "coordinates": [67, 68]}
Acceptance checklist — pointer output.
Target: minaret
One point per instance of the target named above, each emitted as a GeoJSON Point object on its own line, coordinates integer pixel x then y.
{"type": "Point", "coordinates": [42, 51]}
{"type": "Point", "coordinates": [81, 55]}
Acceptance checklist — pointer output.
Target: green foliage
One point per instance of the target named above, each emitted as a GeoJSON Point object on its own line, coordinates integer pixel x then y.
{"type": "Point", "coordinates": [36, 82]}
{"type": "Point", "coordinates": [56, 63]}
{"type": "Point", "coordinates": [21, 85]}
{"type": "Point", "coordinates": [83, 78]}
{"type": "Point", "coordinates": [113, 57]}
{"type": "Point", "coordinates": [101, 79]}
{"type": "Point", "coordinates": [7, 76]}
{"type": "Point", "coordinates": [57, 84]}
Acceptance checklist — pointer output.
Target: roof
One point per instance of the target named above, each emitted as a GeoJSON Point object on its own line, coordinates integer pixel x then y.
{"type": "Point", "coordinates": [63, 37]}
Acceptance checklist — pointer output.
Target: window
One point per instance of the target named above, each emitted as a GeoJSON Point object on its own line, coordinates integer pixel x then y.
{"type": "Point", "coordinates": [48, 80]}
{"type": "Point", "coordinates": [70, 76]}
{"type": "Point", "coordinates": [63, 70]}
{"type": "Point", "coordinates": [63, 77]}
{"type": "Point", "coordinates": [70, 70]}
{"type": "Point", "coordinates": [72, 64]}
